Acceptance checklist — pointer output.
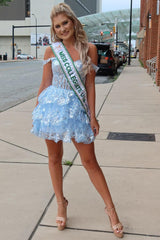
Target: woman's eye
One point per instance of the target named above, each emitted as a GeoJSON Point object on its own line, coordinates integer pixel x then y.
{"type": "Point", "coordinates": [57, 26]}
{"type": "Point", "coordinates": [66, 22]}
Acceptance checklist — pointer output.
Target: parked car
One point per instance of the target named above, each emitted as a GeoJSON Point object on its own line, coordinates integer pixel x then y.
{"type": "Point", "coordinates": [117, 59]}
{"type": "Point", "coordinates": [124, 56]}
{"type": "Point", "coordinates": [120, 57]}
{"type": "Point", "coordinates": [106, 62]}
{"type": "Point", "coordinates": [24, 56]}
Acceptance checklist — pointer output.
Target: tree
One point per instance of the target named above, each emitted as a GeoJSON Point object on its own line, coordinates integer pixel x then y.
{"type": "Point", "coordinates": [4, 2]}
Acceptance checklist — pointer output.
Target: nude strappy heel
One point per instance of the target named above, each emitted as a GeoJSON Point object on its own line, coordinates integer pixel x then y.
{"type": "Point", "coordinates": [61, 221]}
{"type": "Point", "coordinates": [117, 228]}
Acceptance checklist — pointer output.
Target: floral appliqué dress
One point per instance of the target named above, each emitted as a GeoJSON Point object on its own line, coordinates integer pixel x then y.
{"type": "Point", "coordinates": [59, 114]}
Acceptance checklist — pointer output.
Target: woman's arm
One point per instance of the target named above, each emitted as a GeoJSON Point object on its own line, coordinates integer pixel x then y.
{"type": "Point", "coordinates": [47, 72]}
{"type": "Point", "coordinates": [90, 88]}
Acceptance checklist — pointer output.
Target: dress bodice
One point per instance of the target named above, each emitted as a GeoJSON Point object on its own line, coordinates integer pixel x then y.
{"type": "Point", "coordinates": [59, 80]}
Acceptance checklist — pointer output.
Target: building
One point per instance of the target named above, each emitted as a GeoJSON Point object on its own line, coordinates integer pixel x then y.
{"type": "Point", "coordinates": [85, 7]}
{"type": "Point", "coordinates": [149, 35]}
{"type": "Point", "coordinates": [25, 13]}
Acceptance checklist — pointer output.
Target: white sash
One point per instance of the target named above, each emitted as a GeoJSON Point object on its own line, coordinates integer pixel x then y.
{"type": "Point", "coordinates": [71, 73]}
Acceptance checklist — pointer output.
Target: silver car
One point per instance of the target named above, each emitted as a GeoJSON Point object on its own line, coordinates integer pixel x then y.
{"type": "Point", "coordinates": [24, 56]}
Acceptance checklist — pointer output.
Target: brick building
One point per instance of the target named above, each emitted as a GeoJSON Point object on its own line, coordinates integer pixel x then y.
{"type": "Point", "coordinates": [149, 34]}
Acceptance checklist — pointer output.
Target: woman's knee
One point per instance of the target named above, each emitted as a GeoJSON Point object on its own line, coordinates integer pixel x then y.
{"type": "Point", "coordinates": [55, 152]}
{"type": "Point", "coordinates": [55, 158]}
{"type": "Point", "coordinates": [89, 162]}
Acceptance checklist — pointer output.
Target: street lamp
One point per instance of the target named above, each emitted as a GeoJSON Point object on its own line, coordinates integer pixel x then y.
{"type": "Point", "coordinates": [130, 35]}
{"type": "Point", "coordinates": [36, 32]}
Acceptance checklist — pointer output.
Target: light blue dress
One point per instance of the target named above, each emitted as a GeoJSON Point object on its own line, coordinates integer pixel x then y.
{"type": "Point", "coordinates": [59, 114]}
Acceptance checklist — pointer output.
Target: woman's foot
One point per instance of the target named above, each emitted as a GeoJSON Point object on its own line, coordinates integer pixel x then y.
{"type": "Point", "coordinates": [116, 226]}
{"type": "Point", "coordinates": [62, 214]}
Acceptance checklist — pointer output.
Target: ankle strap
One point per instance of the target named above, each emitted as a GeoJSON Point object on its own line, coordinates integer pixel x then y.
{"type": "Point", "coordinates": [63, 201]}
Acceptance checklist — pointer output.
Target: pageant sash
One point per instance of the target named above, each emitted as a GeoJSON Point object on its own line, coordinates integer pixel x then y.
{"type": "Point", "coordinates": [71, 73]}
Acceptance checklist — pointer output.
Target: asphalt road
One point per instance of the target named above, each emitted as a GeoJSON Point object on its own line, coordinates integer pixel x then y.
{"type": "Point", "coordinates": [20, 81]}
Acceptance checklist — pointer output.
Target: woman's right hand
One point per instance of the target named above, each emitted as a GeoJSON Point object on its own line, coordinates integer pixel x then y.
{"type": "Point", "coordinates": [95, 126]}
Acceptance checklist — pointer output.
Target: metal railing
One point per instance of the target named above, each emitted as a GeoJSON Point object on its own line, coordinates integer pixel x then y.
{"type": "Point", "coordinates": [151, 65]}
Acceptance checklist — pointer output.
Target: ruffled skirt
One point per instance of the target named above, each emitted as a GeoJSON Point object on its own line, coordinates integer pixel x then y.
{"type": "Point", "coordinates": [59, 115]}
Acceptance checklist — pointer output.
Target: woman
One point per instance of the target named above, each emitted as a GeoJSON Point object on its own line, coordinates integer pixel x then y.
{"type": "Point", "coordinates": [65, 109]}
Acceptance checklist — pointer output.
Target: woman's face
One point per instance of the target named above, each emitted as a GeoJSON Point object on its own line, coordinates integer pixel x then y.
{"type": "Point", "coordinates": [63, 27]}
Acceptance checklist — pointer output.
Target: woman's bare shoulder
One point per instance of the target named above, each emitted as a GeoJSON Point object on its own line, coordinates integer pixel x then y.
{"type": "Point", "coordinates": [92, 46]}
{"type": "Point", "coordinates": [48, 53]}
{"type": "Point", "coordinates": [92, 52]}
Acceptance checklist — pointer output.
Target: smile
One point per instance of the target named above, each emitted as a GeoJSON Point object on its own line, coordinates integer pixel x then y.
{"type": "Point", "coordinates": [65, 33]}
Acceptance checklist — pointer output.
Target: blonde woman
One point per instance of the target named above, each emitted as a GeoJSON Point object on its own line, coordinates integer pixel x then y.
{"type": "Point", "coordinates": [65, 109]}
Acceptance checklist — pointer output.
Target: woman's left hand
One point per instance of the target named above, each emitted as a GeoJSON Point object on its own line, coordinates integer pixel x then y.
{"type": "Point", "coordinates": [95, 126]}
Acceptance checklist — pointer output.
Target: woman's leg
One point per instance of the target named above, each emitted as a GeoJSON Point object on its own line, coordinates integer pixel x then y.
{"type": "Point", "coordinates": [55, 153]}
{"type": "Point", "coordinates": [95, 173]}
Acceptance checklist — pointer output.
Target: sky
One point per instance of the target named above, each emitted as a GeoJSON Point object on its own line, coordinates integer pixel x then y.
{"type": "Point", "coordinates": [111, 5]}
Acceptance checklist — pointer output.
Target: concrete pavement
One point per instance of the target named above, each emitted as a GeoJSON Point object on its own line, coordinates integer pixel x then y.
{"type": "Point", "coordinates": [132, 169]}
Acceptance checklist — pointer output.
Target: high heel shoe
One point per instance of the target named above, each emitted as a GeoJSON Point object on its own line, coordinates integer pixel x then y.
{"type": "Point", "coordinates": [117, 228]}
{"type": "Point", "coordinates": [61, 221]}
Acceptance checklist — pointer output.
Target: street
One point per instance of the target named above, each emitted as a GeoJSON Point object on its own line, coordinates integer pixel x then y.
{"type": "Point", "coordinates": [20, 82]}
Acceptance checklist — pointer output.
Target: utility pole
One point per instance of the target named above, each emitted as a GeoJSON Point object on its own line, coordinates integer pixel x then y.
{"type": "Point", "coordinates": [130, 35]}
{"type": "Point", "coordinates": [13, 51]}
{"type": "Point", "coordinates": [36, 32]}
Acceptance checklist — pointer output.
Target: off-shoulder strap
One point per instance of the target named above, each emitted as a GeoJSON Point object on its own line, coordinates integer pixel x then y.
{"type": "Point", "coordinates": [95, 67]}
{"type": "Point", "coordinates": [47, 60]}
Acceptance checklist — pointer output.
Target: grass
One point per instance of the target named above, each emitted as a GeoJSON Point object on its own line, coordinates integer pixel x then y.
{"type": "Point", "coordinates": [118, 74]}
{"type": "Point", "coordinates": [67, 163]}
{"type": "Point", "coordinates": [115, 77]}
{"type": "Point", "coordinates": [142, 65]}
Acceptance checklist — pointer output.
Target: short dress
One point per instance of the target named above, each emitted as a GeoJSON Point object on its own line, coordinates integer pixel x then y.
{"type": "Point", "coordinates": [59, 114]}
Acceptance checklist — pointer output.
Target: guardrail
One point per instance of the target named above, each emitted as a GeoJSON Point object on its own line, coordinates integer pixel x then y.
{"type": "Point", "coordinates": [151, 65]}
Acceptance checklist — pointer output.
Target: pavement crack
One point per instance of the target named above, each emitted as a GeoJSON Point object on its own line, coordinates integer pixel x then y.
{"type": "Point", "coordinates": [46, 208]}
{"type": "Point", "coordinates": [105, 100]}
{"type": "Point", "coordinates": [123, 167]}
{"type": "Point", "coordinates": [26, 149]}
{"type": "Point", "coordinates": [28, 163]}
{"type": "Point", "coordinates": [19, 102]}
{"type": "Point", "coordinates": [40, 219]}
{"type": "Point", "coordinates": [101, 231]}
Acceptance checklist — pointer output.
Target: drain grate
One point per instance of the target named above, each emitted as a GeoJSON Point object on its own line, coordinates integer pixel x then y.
{"type": "Point", "coordinates": [131, 136]}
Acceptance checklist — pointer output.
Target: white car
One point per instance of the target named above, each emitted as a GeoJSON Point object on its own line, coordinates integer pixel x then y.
{"type": "Point", "coordinates": [24, 56]}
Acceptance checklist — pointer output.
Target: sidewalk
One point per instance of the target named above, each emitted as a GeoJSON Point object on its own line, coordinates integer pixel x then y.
{"type": "Point", "coordinates": [132, 168]}
{"type": "Point", "coordinates": [19, 60]}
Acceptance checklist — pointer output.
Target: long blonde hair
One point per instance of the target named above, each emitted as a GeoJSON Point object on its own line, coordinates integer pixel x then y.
{"type": "Point", "coordinates": [81, 43]}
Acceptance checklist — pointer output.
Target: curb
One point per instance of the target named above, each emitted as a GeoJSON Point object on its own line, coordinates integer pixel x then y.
{"type": "Point", "coordinates": [20, 60]}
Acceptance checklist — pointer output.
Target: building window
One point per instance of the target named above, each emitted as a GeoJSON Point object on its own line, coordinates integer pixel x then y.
{"type": "Point", "coordinates": [150, 20]}
{"type": "Point", "coordinates": [158, 7]}
{"type": "Point", "coordinates": [27, 8]}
